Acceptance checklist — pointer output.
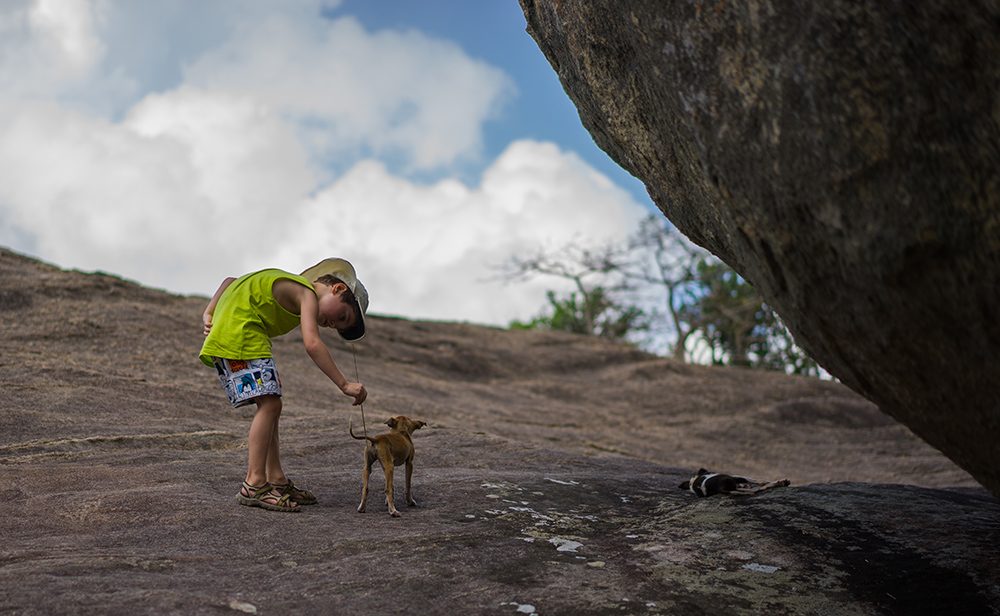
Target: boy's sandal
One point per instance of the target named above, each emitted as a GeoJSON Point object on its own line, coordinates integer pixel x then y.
{"type": "Point", "coordinates": [302, 497]}
{"type": "Point", "coordinates": [259, 497]}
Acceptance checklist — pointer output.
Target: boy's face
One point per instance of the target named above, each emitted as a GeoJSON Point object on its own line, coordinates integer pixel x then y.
{"type": "Point", "coordinates": [333, 312]}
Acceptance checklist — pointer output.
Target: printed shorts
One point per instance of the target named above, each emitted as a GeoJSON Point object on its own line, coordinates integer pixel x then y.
{"type": "Point", "coordinates": [245, 379]}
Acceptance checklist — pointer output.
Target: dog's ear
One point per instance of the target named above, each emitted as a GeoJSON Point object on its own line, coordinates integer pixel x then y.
{"type": "Point", "coordinates": [391, 422]}
{"type": "Point", "coordinates": [686, 485]}
{"type": "Point", "coordinates": [701, 471]}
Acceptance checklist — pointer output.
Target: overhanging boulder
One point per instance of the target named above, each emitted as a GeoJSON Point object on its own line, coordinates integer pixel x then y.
{"type": "Point", "coordinates": [844, 157]}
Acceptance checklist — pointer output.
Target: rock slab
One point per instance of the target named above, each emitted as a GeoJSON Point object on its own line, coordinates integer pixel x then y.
{"type": "Point", "coordinates": [843, 156]}
{"type": "Point", "coordinates": [547, 478]}
{"type": "Point", "coordinates": [502, 529]}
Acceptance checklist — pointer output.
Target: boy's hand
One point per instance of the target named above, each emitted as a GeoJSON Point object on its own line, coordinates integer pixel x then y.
{"type": "Point", "coordinates": [356, 391]}
{"type": "Point", "coordinates": [206, 320]}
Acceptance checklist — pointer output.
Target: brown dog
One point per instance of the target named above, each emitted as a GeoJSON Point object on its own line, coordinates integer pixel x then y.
{"type": "Point", "coordinates": [391, 450]}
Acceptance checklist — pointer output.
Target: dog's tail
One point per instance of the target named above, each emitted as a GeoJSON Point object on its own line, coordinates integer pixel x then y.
{"type": "Point", "coordinates": [350, 428]}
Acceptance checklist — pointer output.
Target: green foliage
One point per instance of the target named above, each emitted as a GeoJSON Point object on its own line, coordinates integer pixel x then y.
{"type": "Point", "coordinates": [592, 314]}
{"type": "Point", "coordinates": [783, 355]}
{"type": "Point", "coordinates": [702, 301]}
{"type": "Point", "coordinates": [728, 313]}
{"type": "Point", "coordinates": [738, 327]}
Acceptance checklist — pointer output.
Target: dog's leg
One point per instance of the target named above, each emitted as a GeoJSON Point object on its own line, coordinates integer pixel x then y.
{"type": "Point", "coordinates": [745, 486]}
{"type": "Point", "coordinates": [388, 467]}
{"type": "Point", "coordinates": [774, 484]}
{"type": "Point", "coordinates": [409, 475]}
{"type": "Point", "coordinates": [761, 486]}
{"type": "Point", "coordinates": [369, 460]}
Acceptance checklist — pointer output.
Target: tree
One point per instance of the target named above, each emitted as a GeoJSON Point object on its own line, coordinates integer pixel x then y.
{"type": "Point", "coordinates": [595, 309]}
{"type": "Point", "coordinates": [594, 315]}
{"type": "Point", "coordinates": [784, 355]}
{"type": "Point", "coordinates": [739, 328]}
{"type": "Point", "coordinates": [660, 276]}
{"type": "Point", "coordinates": [661, 259]}
{"type": "Point", "coordinates": [730, 314]}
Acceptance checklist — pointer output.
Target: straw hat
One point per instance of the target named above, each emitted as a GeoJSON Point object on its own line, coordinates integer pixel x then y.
{"type": "Point", "coordinates": [343, 270]}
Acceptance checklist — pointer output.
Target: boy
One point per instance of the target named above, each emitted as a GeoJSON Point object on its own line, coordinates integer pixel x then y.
{"type": "Point", "coordinates": [240, 320]}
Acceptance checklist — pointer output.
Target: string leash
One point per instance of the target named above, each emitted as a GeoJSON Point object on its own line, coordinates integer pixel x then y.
{"type": "Point", "coordinates": [357, 379]}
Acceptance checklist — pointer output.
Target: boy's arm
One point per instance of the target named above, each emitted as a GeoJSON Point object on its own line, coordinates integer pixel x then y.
{"type": "Point", "coordinates": [206, 318]}
{"type": "Point", "coordinates": [319, 353]}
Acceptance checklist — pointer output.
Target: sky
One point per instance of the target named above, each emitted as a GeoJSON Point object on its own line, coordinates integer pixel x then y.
{"type": "Point", "coordinates": [178, 143]}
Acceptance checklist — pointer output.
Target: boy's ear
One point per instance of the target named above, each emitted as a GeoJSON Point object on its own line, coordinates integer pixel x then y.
{"type": "Point", "coordinates": [338, 288]}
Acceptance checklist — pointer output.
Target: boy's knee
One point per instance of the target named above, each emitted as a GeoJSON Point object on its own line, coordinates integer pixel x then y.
{"type": "Point", "coordinates": [269, 404]}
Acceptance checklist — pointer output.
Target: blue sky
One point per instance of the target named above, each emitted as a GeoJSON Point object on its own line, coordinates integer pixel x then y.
{"type": "Point", "coordinates": [176, 143]}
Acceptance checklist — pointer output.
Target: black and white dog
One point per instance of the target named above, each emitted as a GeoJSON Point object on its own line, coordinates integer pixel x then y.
{"type": "Point", "coordinates": [707, 484]}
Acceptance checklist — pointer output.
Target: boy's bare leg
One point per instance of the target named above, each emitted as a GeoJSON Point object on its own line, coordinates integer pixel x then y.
{"type": "Point", "coordinates": [274, 473]}
{"type": "Point", "coordinates": [263, 431]}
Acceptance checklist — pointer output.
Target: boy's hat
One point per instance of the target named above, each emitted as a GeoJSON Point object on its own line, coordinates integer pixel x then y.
{"type": "Point", "coordinates": [343, 270]}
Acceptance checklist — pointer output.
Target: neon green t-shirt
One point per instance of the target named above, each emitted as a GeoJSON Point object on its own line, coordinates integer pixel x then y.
{"type": "Point", "coordinates": [247, 317]}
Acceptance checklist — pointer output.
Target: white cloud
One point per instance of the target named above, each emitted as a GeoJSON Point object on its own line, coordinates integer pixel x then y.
{"type": "Point", "coordinates": [47, 45]}
{"type": "Point", "coordinates": [150, 197]}
{"type": "Point", "coordinates": [430, 251]}
{"type": "Point", "coordinates": [247, 160]}
{"type": "Point", "coordinates": [67, 26]}
{"type": "Point", "coordinates": [224, 170]}
{"type": "Point", "coordinates": [173, 197]}
{"type": "Point", "coordinates": [353, 91]}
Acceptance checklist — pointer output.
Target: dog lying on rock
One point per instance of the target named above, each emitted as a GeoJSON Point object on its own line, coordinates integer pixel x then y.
{"type": "Point", "coordinates": [705, 483]}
